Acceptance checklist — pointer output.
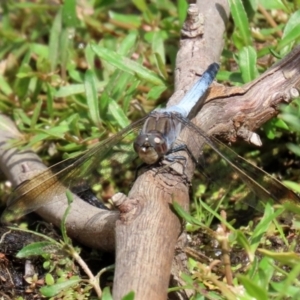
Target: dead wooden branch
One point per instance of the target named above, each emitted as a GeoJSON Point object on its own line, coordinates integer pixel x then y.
{"type": "Point", "coordinates": [84, 221]}
{"type": "Point", "coordinates": [147, 235]}
{"type": "Point", "coordinates": [146, 227]}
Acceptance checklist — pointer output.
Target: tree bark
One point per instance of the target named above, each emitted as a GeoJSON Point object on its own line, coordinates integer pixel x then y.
{"type": "Point", "coordinates": [84, 221]}
{"type": "Point", "coordinates": [146, 229]}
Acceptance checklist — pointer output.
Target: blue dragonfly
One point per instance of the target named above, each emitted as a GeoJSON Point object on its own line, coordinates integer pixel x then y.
{"type": "Point", "coordinates": [163, 126]}
{"type": "Point", "coordinates": [154, 138]}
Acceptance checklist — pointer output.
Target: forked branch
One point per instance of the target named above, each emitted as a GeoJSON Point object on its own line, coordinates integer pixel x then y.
{"type": "Point", "coordinates": [146, 227]}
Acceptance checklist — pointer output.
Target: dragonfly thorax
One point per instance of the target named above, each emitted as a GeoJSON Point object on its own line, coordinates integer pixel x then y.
{"type": "Point", "coordinates": [150, 147]}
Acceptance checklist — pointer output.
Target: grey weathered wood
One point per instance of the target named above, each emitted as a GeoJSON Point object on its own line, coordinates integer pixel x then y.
{"type": "Point", "coordinates": [147, 229]}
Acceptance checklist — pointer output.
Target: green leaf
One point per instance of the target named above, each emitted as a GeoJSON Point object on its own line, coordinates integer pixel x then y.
{"type": "Point", "coordinates": [247, 63]}
{"type": "Point", "coordinates": [42, 51]}
{"type": "Point", "coordinates": [118, 113]}
{"type": "Point", "coordinates": [22, 75]}
{"type": "Point", "coordinates": [106, 295]}
{"type": "Point", "coordinates": [129, 296]}
{"type": "Point", "coordinates": [57, 132]}
{"type": "Point", "coordinates": [52, 290]}
{"type": "Point", "coordinates": [4, 86]}
{"type": "Point", "coordinates": [69, 17]}
{"type": "Point", "coordinates": [292, 22]}
{"type": "Point", "coordinates": [64, 43]}
{"type": "Point", "coordinates": [158, 49]}
{"type": "Point", "coordinates": [280, 124]}
{"type": "Point", "coordinates": [292, 120]}
{"type": "Point", "coordinates": [287, 291]}
{"type": "Point", "coordinates": [141, 5]}
{"type": "Point", "coordinates": [274, 4]}
{"type": "Point", "coordinates": [161, 65]}
{"type": "Point", "coordinates": [134, 21]}
{"type": "Point", "coordinates": [54, 40]}
{"type": "Point", "coordinates": [35, 249]}
{"type": "Point", "coordinates": [127, 65]}
{"type": "Point", "coordinates": [49, 279]}
{"type": "Point", "coordinates": [290, 37]}
{"type": "Point", "coordinates": [70, 90]}
{"type": "Point", "coordinates": [36, 113]}
{"type": "Point", "coordinates": [119, 86]}
{"type": "Point", "coordinates": [63, 228]}
{"type": "Point", "coordinates": [50, 100]}
{"type": "Point", "coordinates": [234, 77]}
{"type": "Point", "coordinates": [129, 43]}
{"type": "Point", "coordinates": [263, 225]}
{"type": "Point", "coordinates": [90, 57]}
{"type": "Point", "coordinates": [243, 241]}
{"type": "Point", "coordinates": [250, 8]}
{"type": "Point", "coordinates": [286, 258]}
{"type": "Point", "coordinates": [103, 105]}
{"type": "Point", "coordinates": [294, 148]}
{"type": "Point", "coordinates": [288, 288]}
{"type": "Point", "coordinates": [21, 86]}
{"type": "Point", "coordinates": [130, 94]}
{"type": "Point", "coordinates": [216, 215]}
{"type": "Point", "coordinates": [253, 289]}
{"type": "Point", "coordinates": [184, 214]}
{"type": "Point", "coordinates": [265, 272]}
{"type": "Point", "coordinates": [270, 130]}
{"type": "Point", "coordinates": [92, 96]}
{"type": "Point", "coordinates": [156, 91]}
{"type": "Point", "coordinates": [22, 117]}
{"type": "Point", "coordinates": [241, 21]}
{"type": "Point", "coordinates": [291, 184]}
{"type": "Point", "coordinates": [182, 7]}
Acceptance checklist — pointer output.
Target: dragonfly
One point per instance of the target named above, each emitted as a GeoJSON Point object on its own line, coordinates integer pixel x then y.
{"type": "Point", "coordinates": [154, 138]}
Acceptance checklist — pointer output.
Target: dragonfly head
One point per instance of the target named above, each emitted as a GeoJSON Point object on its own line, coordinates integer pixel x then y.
{"type": "Point", "coordinates": [150, 147]}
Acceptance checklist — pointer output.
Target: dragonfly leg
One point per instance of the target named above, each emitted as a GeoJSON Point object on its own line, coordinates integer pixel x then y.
{"type": "Point", "coordinates": [172, 160]}
{"type": "Point", "coordinates": [178, 158]}
{"type": "Point", "coordinates": [83, 190]}
{"type": "Point", "coordinates": [138, 168]}
{"type": "Point", "coordinates": [89, 197]}
{"type": "Point", "coordinates": [185, 148]}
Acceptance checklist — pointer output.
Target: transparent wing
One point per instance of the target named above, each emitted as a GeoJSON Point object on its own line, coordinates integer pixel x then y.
{"type": "Point", "coordinates": [51, 183]}
{"type": "Point", "coordinates": [258, 181]}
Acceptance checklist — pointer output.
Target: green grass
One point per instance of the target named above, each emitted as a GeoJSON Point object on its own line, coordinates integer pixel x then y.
{"type": "Point", "coordinates": [73, 75]}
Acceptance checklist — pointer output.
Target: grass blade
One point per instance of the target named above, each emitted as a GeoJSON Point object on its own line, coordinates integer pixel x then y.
{"type": "Point", "coordinates": [127, 65]}
{"type": "Point", "coordinates": [92, 97]}
{"type": "Point", "coordinates": [241, 20]}
{"type": "Point", "coordinates": [247, 63]}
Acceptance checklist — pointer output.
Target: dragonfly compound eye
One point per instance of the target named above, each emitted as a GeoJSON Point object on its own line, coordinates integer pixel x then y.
{"type": "Point", "coordinates": [159, 144]}
{"type": "Point", "coordinates": [150, 148]}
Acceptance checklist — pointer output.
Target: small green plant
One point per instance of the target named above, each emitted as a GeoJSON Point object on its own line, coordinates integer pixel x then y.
{"type": "Point", "coordinates": [62, 279]}
{"type": "Point", "coordinates": [261, 276]}
{"type": "Point", "coordinates": [76, 71]}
